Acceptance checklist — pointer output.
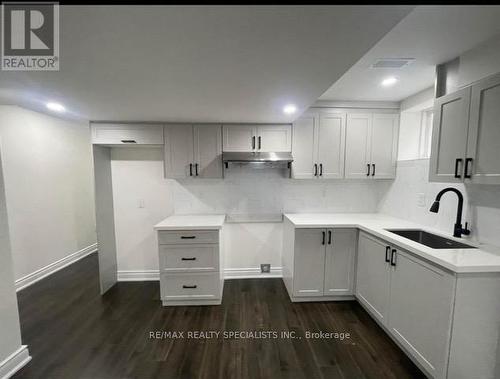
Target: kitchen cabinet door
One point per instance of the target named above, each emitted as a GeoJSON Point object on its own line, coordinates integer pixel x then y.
{"type": "Point", "coordinates": [449, 137]}
{"type": "Point", "coordinates": [304, 150]}
{"type": "Point", "coordinates": [339, 262]}
{"type": "Point", "coordinates": [420, 311]}
{"type": "Point", "coordinates": [384, 145]}
{"type": "Point", "coordinates": [239, 138]}
{"type": "Point", "coordinates": [126, 134]}
{"type": "Point", "coordinates": [357, 146]}
{"type": "Point", "coordinates": [274, 138]}
{"type": "Point", "coordinates": [309, 262]}
{"type": "Point", "coordinates": [484, 132]}
{"type": "Point", "coordinates": [331, 145]}
{"type": "Point", "coordinates": [179, 159]}
{"type": "Point", "coordinates": [207, 151]}
{"type": "Point", "coordinates": [373, 276]}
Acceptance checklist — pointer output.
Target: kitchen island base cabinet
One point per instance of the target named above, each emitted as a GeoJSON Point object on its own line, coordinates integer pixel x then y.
{"type": "Point", "coordinates": [190, 267]}
{"type": "Point", "coordinates": [318, 263]}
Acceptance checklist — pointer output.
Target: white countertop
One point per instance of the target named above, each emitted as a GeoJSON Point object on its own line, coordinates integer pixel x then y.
{"type": "Point", "coordinates": [191, 222]}
{"type": "Point", "coordinates": [483, 259]}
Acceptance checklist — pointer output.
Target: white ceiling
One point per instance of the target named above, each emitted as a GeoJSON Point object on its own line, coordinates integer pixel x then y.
{"type": "Point", "coordinates": [197, 63]}
{"type": "Point", "coordinates": [432, 35]}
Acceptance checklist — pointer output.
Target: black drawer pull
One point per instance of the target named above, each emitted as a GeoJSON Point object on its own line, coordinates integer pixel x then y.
{"type": "Point", "coordinates": [188, 259]}
{"type": "Point", "coordinates": [315, 169]}
{"type": "Point", "coordinates": [324, 236]}
{"type": "Point", "coordinates": [373, 173]}
{"type": "Point", "coordinates": [188, 237]}
{"type": "Point", "coordinates": [466, 174]}
{"type": "Point", "coordinates": [387, 250]}
{"type": "Point", "coordinates": [189, 287]}
{"type": "Point", "coordinates": [368, 173]}
{"type": "Point", "coordinates": [128, 141]}
{"type": "Point", "coordinates": [196, 169]}
{"type": "Point", "coordinates": [329, 237]}
{"type": "Point", "coordinates": [321, 169]}
{"type": "Point", "coordinates": [457, 161]}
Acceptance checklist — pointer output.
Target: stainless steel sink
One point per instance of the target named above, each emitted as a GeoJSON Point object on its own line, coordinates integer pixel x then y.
{"type": "Point", "coordinates": [428, 239]}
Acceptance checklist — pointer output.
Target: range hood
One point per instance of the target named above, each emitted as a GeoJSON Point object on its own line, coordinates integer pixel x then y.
{"type": "Point", "coordinates": [258, 160]}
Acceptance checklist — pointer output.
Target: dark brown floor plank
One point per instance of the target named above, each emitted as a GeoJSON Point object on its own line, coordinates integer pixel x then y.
{"type": "Point", "coordinates": [73, 332]}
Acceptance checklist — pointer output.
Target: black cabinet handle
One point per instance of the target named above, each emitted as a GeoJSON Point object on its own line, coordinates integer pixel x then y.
{"type": "Point", "coordinates": [196, 169]}
{"type": "Point", "coordinates": [368, 173]}
{"type": "Point", "coordinates": [128, 141]}
{"type": "Point", "coordinates": [466, 174]}
{"type": "Point", "coordinates": [188, 237]}
{"type": "Point", "coordinates": [373, 173]}
{"type": "Point", "coordinates": [329, 237]}
{"type": "Point", "coordinates": [188, 259]}
{"type": "Point", "coordinates": [191, 287]}
{"type": "Point", "coordinates": [393, 257]}
{"type": "Point", "coordinates": [315, 169]}
{"type": "Point", "coordinates": [457, 161]}
{"type": "Point", "coordinates": [321, 169]}
{"type": "Point", "coordinates": [190, 169]}
{"type": "Point", "coordinates": [324, 235]}
{"type": "Point", "coordinates": [387, 250]}
{"type": "Point", "coordinates": [260, 142]}
{"type": "Point", "coordinates": [253, 142]}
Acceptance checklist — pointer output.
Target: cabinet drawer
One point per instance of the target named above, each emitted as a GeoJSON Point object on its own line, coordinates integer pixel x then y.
{"type": "Point", "coordinates": [188, 237]}
{"type": "Point", "coordinates": [127, 134]}
{"type": "Point", "coordinates": [190, 286]}
{"type": "Point", "coordinates": [186, 258]}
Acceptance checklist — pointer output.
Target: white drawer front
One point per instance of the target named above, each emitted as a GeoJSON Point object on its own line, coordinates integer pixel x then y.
{"type": "Point", "coordinates": [127, 134]}
{"type": "Point", "coordinates": [185, 258]}
{"type": "Point", "coordinates": [190, 286]}
{"type": "Point", "coordinates": [188, 237]}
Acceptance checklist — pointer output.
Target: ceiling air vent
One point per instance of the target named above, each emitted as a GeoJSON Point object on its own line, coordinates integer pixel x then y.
{"type": "Point", "coordinates": [392, 62]}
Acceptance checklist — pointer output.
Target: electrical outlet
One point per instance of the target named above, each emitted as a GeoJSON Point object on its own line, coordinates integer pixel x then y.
{"type": "Point", "coordinates": [141, 203]}
{"type": "Point", "coordinates": [265, 268]}
{"type": "Point", "coordinates": [421, 199]}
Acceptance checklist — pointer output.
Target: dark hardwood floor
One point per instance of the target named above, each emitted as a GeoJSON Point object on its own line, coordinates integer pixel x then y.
{"type": "Point", "coordinates": [73, 332]}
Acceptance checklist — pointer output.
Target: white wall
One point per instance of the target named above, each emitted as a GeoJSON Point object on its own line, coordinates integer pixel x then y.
{"type": "Point", "coordinates": [479, 62]}
{"type": "Point", "coordinates": [138, 177]}
{"type": "Point", "coordinates": [48, 185]}
{"type": "Point", "coordinates": [481, 206]}
{"type": "Point", "coordinates": [10, 332]}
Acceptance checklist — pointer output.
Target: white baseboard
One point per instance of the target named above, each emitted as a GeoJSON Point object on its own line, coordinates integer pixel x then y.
{"type": "Point", "coordinates": [229, 273]}
{"type": "Point", "coordinates": [14, 362]}
{"type": "Point", "coordinates": [251, 272]}
{"type": "Point", "coordinates": [138, 275]}
{"type": "Point", "coordinates": [34, 277]}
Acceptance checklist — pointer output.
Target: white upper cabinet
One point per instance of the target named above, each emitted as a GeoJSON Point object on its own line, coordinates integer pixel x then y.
{"type": "Point", "coordinates": [358, 141]}
{"type": "Point", "coordinates": [126, 134]}
{"type": "Point", "coordinates": [384, 145]}
{"type": "Point", "coordinates": [274, 138]}
{"type": "Point", "coordinates": [331, 144]}
{"type": "Point", "coordinates": [483, 146]}
{"type": "Point", "coordinates": [449, 137]}
{"type": "Point", "coordinates": [208, 151]}
{"type": "Point", "coordinates": [371, 145]}
{"type": "Point", "coordinates": [239, 137]}
{"type": "Point", "coordinates": [257, 138]}
{"type": "Point", "coordinates": [193, 151]}
{"type": "Point", "coordinates": [466, 135]}
{"type": "Point", "coordinates": [318, 146]}
{"type": "Point", "coordinates": [304, 149]}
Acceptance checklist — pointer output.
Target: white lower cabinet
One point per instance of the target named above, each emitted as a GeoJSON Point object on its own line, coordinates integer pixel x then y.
{"type": "Point", "coordinates": [411, 298]}
{"type": "Point", "coordinates": [190, 262]}
{"type": "Point", "coordinates": [318, 263]}
{"type": "Point", "coordinates": [373, 276]}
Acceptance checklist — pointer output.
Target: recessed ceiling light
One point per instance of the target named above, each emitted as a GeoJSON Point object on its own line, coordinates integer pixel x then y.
{"type": "Point", "coordinates": [391, 80]}
{"type": "Point", "coordinates": [289, 109]}
{"type": "Point", "coordinates": [56, 107]}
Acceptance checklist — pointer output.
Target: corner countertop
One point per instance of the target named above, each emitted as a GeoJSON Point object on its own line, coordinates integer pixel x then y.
{"type": "Point", "coordinates": [485, 258]}
{"type": "Point", "coordinates": [191, 222]}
